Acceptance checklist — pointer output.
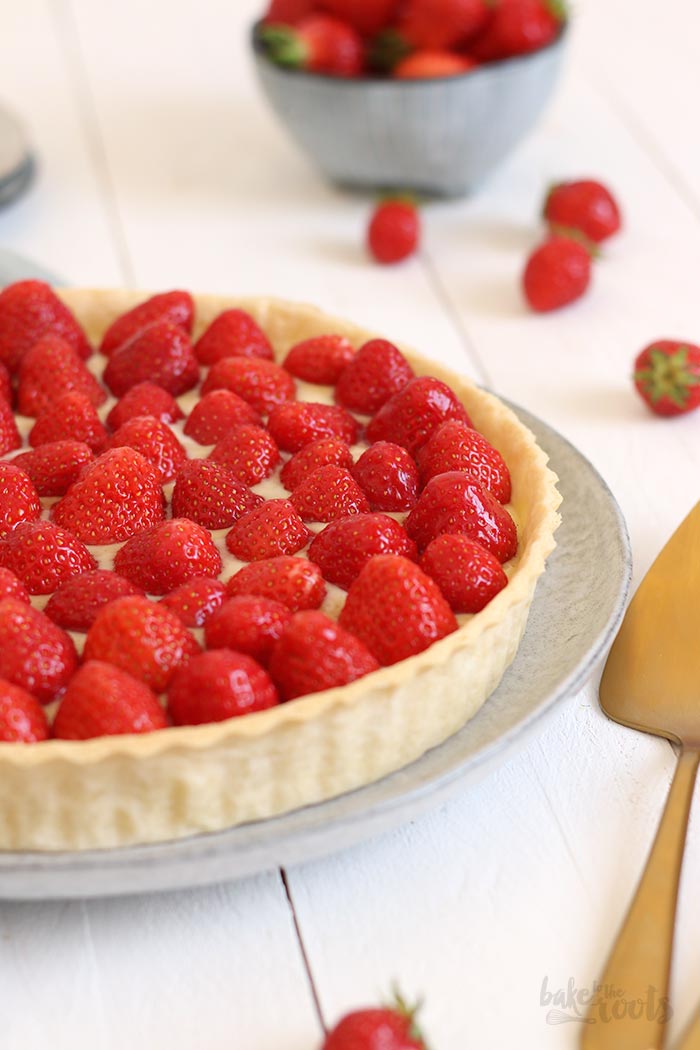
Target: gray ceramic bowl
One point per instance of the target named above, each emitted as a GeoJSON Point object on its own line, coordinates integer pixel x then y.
{"type": "Point", "coordinates": [441, 136]}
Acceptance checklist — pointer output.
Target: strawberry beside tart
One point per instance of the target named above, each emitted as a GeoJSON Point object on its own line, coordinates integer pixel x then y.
{"type": "Point", "coordinates": [251, 557]}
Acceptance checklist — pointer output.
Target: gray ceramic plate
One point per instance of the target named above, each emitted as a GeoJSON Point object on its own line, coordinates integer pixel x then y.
{"type": "Point", "coordinates": [576, 612]}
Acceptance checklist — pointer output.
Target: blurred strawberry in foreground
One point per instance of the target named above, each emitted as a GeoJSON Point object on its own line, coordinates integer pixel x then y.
{"type": "Point", "coordinates": [378, 1028]}
{"type": "Point", "coordinates": [394, 231]}
{"type": "Point", "coordinates": [667, 377]}
{"type": "Point", "coordinates": [557, 273]}
{"type": "Point", "coordinates": [317, 44]}
{"type": "Point", "coordinates": [585, 205]}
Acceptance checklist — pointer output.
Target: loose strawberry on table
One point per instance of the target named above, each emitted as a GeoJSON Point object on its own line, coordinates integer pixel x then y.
{"type": "Point", "coordinates": [22, 718]}
{"type": "Point", "coordinates": [248, 451]}
{"type": "Point", "coordinates": [208, 493]}
{"type": "Point", "coordinates": [70, 417]}
{"type": "Point", "coordinates": [102, 700]}
{"type": "Point", "coordinates": [176, 308]}
{"type": "Point", "coordinates": [318, 453]}
{"type": "Point", "coordinates": [585, 205]}
{"type": "Point", "coordinates": [195, 601]}
{"type": "Point", "coordinates": [557, 273]}
{"type": "Point", "coordinates": [249, 624]}
{"type": "Point", "coordinates": [35, 654]}
{"type": "Point", "coordinates": [272, 529]}
{"type": "Point", "coordinates": [30, 310]}
{"type": "Point", "coordinates": [217, 685]}
{"type": "Point", "coordinates": [55, 466]}
{"type": "Point", "coordinates": [216, 414]}
{"type": "Point", "coordinates": [294, 582]}
{"type": "Point", "coordinates": [77, 601]}
{"type": "Point", "coordinates": [344, 547]}
{"type": "Point", "coordinates": [394, 231]}
{"type": "Point", "coordinates": [667, 377]}
{"type": "Point", "coordinates": [168, 555]}
{"type": "Point", "coordinates": [234, 333]}
{"type": "Point", "coordinates": [42, 555]}
{"type": "Point", "coordinates": [391, 1027]}
{"type": "Point", "coordinates": [19, 499]}
{"type": "Point", "coordinates": [377, 372]}
{"type": "Point", "coordinates": [316, 653]}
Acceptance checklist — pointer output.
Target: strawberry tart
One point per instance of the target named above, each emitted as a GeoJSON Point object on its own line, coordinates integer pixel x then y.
{"type": "Point", "coordinates": [251, 557]}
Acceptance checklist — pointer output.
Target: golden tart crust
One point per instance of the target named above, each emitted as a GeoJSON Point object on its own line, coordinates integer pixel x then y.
{"type": "Point", "coordinates": [122, 790]}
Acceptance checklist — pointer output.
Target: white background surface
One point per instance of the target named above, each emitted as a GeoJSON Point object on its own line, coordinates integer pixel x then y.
{"type": "Point", "coordinates": [161, 167]}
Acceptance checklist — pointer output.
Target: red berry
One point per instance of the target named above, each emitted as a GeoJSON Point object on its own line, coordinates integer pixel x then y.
{"type": "Point", "coordinates": [517, 27]}
{"type": "Point", "coordinates": [453, 503]}
{"type": "Point", "coordinates": [318, 453]}
{"type": "Point", "coordinates": [456, 446]}
{"type": "Point", "coordinates": [248, 452]}
{"type": "Point", "coordinates": [249, 624]}
{"type": "Point", "coordinates": [49, 369]}
{"type": "Point", "coordinates": [233, 333]}
{"type": "Point", "coordinates": [77, 601]}
{"type": "Point", "coordinates": [9, 434]}
{"type": "Point", "coordinates": [318, 44]}
{"type": "Point", "coordinates": [208, 493]}
{"type": "Point", "coordinates": [320, 359]}
{"type": "Point", "coordinates": [28, 311]}
{"type": "Point", "coordinates": [426, 65]}
{"type": "Point", "coordinates": [161, 354]}
{"type": "Point", "coordinates": [584, 205]}
{"type": "Point", "coordinates": [442, 24]}
{"type": "Point", "coordinates": [217, 685]}
{"type": "Point", "coordinates": [102, 700]}
{"type": "Point", "coordinates": [269, 530]}
{"type": "Point", "coordinates": [297, 423]}
{"type": "Point", "coordinates": [71, 417]}
{"type": "Point", "coordinates": [144, 399]}
{"type": "Point", "coordinates": [22, 718]}
{"type": "Point", "coordinates": [287, 12]}
{"type": "Point", "coordinates": [19, 500]}
{"type": "Point", "coordinates": [154, 440]}
{"type": "Point", "coordinates": [168, 555]}
{"type": "Point", "coordinates": [263, 384]}
{"type": "Point", "coordinates": [42, 555]}
{"type": "Point", "coordinates": [195, 601]}
{"type": "Point", "coordinates": [388, 476]}
{"type": "Point", "coordinates": [11, 587]}
{"type": "Point", "coordinates": [5, 384]}
{"type": "Point", "coordinates": [367, 16]}
{"type": "Point", "coordinates": [176, 308]}
{"type": "Point", "coordinates": [395, 609]}
{"type": "Point", "coordinates": [295, 582]}
{"type": "Point", "coordinates": [381, 1028]}
{"type": "Point", "coordinates": [377, 371]}
{"type": "Point", "coordinates": [344, 547]}
{"type": "Point", "coordinates": [667, 377]}
{"type": "Point", "coordinates": [394, 231]}
{"type": "Point", "coordinates": [468, 575]}
{"type": "Point", "coordinates": [316, 653]}
{"type": "Point", "coordinates": [557, 273]}
{"type": "Point", "coordinates": [54, 467]}
{"type": "Point", "coordinates": [329, 493]}
{"type": "Point", "coordinates": [216, 414]}
{"type": "Point", "coordinates": [410, 416]}
{"type": "Point", "coordinates": [35, 654]}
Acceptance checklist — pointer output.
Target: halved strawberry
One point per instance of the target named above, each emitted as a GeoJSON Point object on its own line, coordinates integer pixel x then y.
{"type": "Point", "coordinates": [329, 493]}
{"type": "Point", "coordinates": [345, 546]}
{"type": "Point", "coordinates": [295, 582]}
{"type": "Point", "coordinates": [209, 494]}
{"type": "Point", "coordinates": [270, 529]}
{"type": "Point", "coordinates": [155, 441]}
{"type": "Point", "coordinates": [248, 624]}
{"type": "Point", "coordinates": [410, 416]}
{"type": "Point", "coordinates": [263, 384]}
{"type": "Point", "coordinates": [216, 414]}
{"type": "Point", "coordinates": [161, 354]}
{"type": "Point", "coordinates": [395, 609]}
{"type": "Point", "coordinates": [453, 503]}
{"type": "Point", "coordinates": [320, 359]}
{"type": "Point", "coordinates": [468, 575]}
{"type": "Point", "coordinates": [316, 653]}
{"type": "Point", "coordinates": [233, 333]}
{"type": "Point", "coordinates": [22, 718]}
{"type": "Point", "coordinates": [218, 685]}
{"type": "Point", "coordinates": [166, 556]}
{"type": "Point", "coordinates": [42, 555]}
{"type": "Point", "coordinates": [28, 311]}
{"type": "Point", "coordinates": [9, 434]}
{"type": "Point", "coordinates": [12, 587]}
{"type": "Point", "coordinates": [297, 423]}
{"type": "Point", "coordinates": [144, 399]}
{"type": "Point", "coordinates": [195, 601]}
{"type": "Point", "coordinates": [35, 654]}
{"type": "Point", "coordinates": [176, 308]}
{"type": "Point", "coordinates": [115, 496]}
{"type": "Point", "coordinates": [457, 446]}
{"type": "Point", "coordinates": [102, 700]}
{"type": "Point", "coordinates": [19, 499]}
{"type": "Point", "coordinates": [316, 454]}
{"type": "Point", "coordinates": [142, 638]}
{"type": "Point", "coordinates": [249, 452]}
{"type": "Point", "coordinates": [388, 476]}
{"type": "Point", "coordinates": [70, 417]}
{"type": "Point", "coordinates": [50, 368]}
{"type": "Point", "coordinates": [54, 467]}
{"type": "Point", "coordinates": [77, 601]}
{"type": "Point", "coordinates": [377, 371]}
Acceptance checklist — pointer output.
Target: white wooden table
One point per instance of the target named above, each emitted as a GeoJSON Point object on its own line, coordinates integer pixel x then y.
{"type": "Point", "coordinates": [160, 167]}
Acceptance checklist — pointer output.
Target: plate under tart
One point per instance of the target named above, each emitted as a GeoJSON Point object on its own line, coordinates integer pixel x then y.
{"type": "Point", "coordinates": [577, 609]}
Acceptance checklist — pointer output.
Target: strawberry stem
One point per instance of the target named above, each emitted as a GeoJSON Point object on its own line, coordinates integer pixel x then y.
{"type": "Point", "coordinates": [576, 235]}
{"type": "Point", "coordinates": [402, 1007]}
{"type": "Point", "coordinates": [668, 376]}
{"type": "Point", "coordinates": [284, 46]}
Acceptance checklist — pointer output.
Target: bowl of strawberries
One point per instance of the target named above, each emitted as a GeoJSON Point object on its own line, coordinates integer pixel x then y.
{"type": "Point", "coordinates": [422, 95]}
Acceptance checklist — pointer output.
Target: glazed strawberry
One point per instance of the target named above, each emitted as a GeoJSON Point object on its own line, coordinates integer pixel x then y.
{"type": "Point", "coordinates": [248, 624]}
{"type": "Point", "coordinates": [329, 493]}
{"type": "Point", "coordinates": [271, 529]}
{"type": "Point", "coordinates": [517, 27]}
{"type": "Point", "coordinates": [287, 12]}
{"type": "Point", "coordinates": [142, 638]}
{"type": "Point", "coordinates": [155, 441]}
{"type": "Point", "coordinates": [22, 718]}
{"type": "Point", "coordinates": [196, 601]}
{"type": "Point", "coordinates": [12, 587]}
{"type": "Point", "coordinates": [320, 359]}
{"type": "Point", "coordinates": [42, 555]}
{"type": "Point", "coordinates": [161, 354]}
{"type": "Point", "coordinates": [216, 414]}
{"type": "Point", "coordinates": [28, 311]}
{"type": "Point", "coordinates": [71, 417]}
{"type": "Point", "coordinates": [77, 601]}
{"type": "Point", "coordinates": [316, 454]}
{"type": "Point", "coordinates": [316, 653]}
{"type": "Point", "coordinates": [102, 700]}
{"type": "Point", "coordinates": [263, 384]}
{"type": "Point", "coordinates": [394, 231]}
{"type": "Point", "coordinates": [295, 582]}
{"type": "Point", "coordinates": [345, 546]}
{"type": "Point", "coordinates": [5, 384]}
{"type": "Point", "coordinates": [54, 467]}
{"type": "Point", "coordinates": [115, 496]}
{"type": "Point", "coordinates": [377, 371]}
{"type": "Point", "coordinates": [557, 273]}
{"type": "Point", "coordinates": [144, 399]}
{"type": "Point", "coordinates": [174, 308]}
{"type": "Point", "coordinates": [249, 452]}
{"type": "Point", "coordinates": [217, 685]}
{"type": "Point", "coordinates": [297, 423]}
{"type": "Point", "coordinates": [367, 16]}
{"type": "Point", "coordinates": [233, 333]}
{"type": "Point", "coordinates": [50, 368]}
{"type": "Point", "coordinates": [456, 446]}
{"type": "Point", "coordinates": [35, 654]}
{"type": "Point", "coordinates": [380, 1028]}
{"type": "Point", "coordinates": [667, 377]}
{"type": "Point", "coordinates": [585, 205]}
{"type": "Point", "coordinates": [395, 609]}
{"type": "Point", "coordinates": [388, 476]}
{"type": "Point", "coordinates": [442, 24]}
{"type": "Point", "coordinates": [426, 65]}
{"type": "Point", "coordinates": [317, 44]}
{"type": "Point", "coordinates": [453, 503]}
{"type": "Point", "coordinates": [19, 499]}
{"type": "Point", "coordinates": [468, 575]}
{"type": "Point", "coordinates": [209, 494]}
{"type": "Point", "coordinates": [9, 434]}
{"type": "Point", "coordinates": [168, 555]}
{"type": "Point", "coordinates": [410, 417]}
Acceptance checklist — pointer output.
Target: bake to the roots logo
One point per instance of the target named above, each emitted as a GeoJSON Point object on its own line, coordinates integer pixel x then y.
{"type": "Point", "coordinates": [600, 1004]}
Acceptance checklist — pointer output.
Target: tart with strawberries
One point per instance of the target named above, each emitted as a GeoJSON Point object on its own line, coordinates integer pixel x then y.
{"type": "Point", "coordinates": [251, 557]}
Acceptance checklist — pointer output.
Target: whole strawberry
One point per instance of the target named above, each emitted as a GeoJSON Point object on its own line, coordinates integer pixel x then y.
{"type": "Point", "coordinates": [345, 546]}
{"type": "Point", "coordinates": [456, 446]}
{"type": "Point", "coordinates": [320, 359]}
{"type": "Point", "coordinates": [70, 417]}
{"type": "Point", "coordinates": [28, 311]}
{"type": "Point", "coordinates": [144, 399]}
{"type": "Point", "coordinates": [55, 466]}
{"type": "Point", "coordinates": [287, 12]}
{"type": "Point", "coordinates": [168, 555]}
{"type": "Point", "coordinates": [249, 452]}
{"type": "Point", "coordinates": [426, 65]}
{"type": "Point", "coordinates": [208, 493]}
{"type": "Point", "coordinates": [557, 273]}
{"type": "Point", "coordinates": [329, 493]}
{"type": "Point", "coordinates": [35, 654]}
{"type": "Point", "coordinates": [77, 601]}
{"type": "Point", "coordinates": [390, 1027]}
{"type": "Point", "coordinates": [234, 333]}
{"type": "Point", "coordinates": [263, 384]}
{"type": "Point", "coordinates": [316, 653]}
{"type": "Point", "coordinates": [377, 372]}
{"type": "Point", "coordinates": [318, 453]}
{"type": "Point", "coordinates": [294, 582]}
{"type": "Point", "coordinates": [367, 16]}
{"type": "Point", "coordinates": [217, 685]}
{"type": "Point", "coordinates": [161, 354]}
{"type": "Point", "coordinates": [388, 476]}
{"type": "Point", "coordinates": [468, 575]}
{"type": "Point", "coordinates": [154, 440]}
{"type": "Point", "coordinates": [585, 205]}
{"type": "Point", "coordinates": [297, 423]}
{"type": "Point", "coordinates": [102, 700]}
{"type": "Point", "coordinates": [317, 44]}
{"type": "Point", "coordinates": [667, 377]}
{"type": "Point", "coordinates": [196, 601]}
{"type": "Point", "coordinates": [442, 24]}
{"type": "Point", "coordinates": [12, 587]}
{"type": "Point", "coordinates": [272, 529]}
{"type": "Point", "coordinates": [216, 414]}
{"type": "Point", "coordinates": [410, 416]}
{"type": "Point", "coordinates": [42, 555]}
{"type": "Point", "coordinates": [19, 499]}
{"type": "Point", "coordinates": [456, 504]}
{"type": "Point", "coordinates": [49, 368]}
{"type": "Point", "coordinates": [175, 308]}
{"type": "Point", "coordinates": [394, 231]}
{"type": "Point", "coordinates": [22, 718]}
{"type": "Point", "coordinates": [249, 624]}
{"type": "Point", "coordinates": [9, 434]}
{"type": "Point", "coordinates": [517, 27]}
